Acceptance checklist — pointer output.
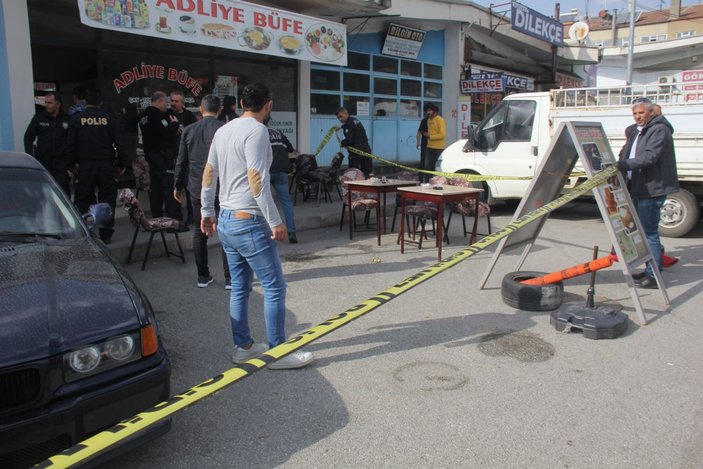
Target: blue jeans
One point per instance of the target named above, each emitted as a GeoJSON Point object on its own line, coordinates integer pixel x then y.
{"type": "Point", "coordinates": [279, 181]}
{"type": "Point", "coordinates": [250, 250]}
{"type": "Point", "coordinates": [649, 213]}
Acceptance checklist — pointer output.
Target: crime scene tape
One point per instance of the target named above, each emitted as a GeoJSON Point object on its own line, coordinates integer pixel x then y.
{"type": "Point", "coordinates": [325, 140]}
{"type": "Point", "coordinates": [90, 448]}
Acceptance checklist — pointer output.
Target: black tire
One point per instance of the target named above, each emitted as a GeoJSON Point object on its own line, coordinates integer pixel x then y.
{"type": "Point", "coordinates": [679, 214]}
{"type": "Point", "coordinates": [486, 194]}
{"type": "Point", "coordinates": [531, 297]}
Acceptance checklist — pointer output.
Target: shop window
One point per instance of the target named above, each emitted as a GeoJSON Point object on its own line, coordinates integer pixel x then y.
{"type": "Point", "coordinates": [385, 64]}
{"type": "Point", "coordinates": [433, 90]}
{"type": "Point", "coordinates": [385, 107]}
{"type": "Point", "coordinates": [410, 69]}
{"type": "Point", "coordinates": [385, 86]}
{"type": "Point", "coordinates": [356, 82]}
{"type": "Point", "coordinates": [324, 80]}
{"type": "Point", "coordinates": [410, 87]}
{"type": "Point", "coordinates": [355, 104]}
{"type": "Point", "coordinates": [324, 103]}
{"type": "Point", "coordinates": [410, 108]}
{"type": "Point", "coordinates": [433, 72]}
{"type": "Point", "coordinates": [358, 61]}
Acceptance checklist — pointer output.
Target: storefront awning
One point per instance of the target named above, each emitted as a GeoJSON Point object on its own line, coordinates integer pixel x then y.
{"type": "Point", "coordinates": [223, 23]}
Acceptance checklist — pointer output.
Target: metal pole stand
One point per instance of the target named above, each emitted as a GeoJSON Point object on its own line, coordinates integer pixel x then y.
{"type": "Point", "coordinates": [595, 321]}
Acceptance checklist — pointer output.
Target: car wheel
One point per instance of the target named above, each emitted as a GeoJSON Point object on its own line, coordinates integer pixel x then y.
{"type": "Point", "coordinates": [531, 297]}
{"type": "Point", "coordinates": [679, 214]}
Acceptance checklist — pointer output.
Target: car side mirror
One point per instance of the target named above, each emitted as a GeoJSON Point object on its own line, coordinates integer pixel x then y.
{"type": "Point", "coordinates": [471, 140]}
{"type": "Point", "coordinates": [97, 214]}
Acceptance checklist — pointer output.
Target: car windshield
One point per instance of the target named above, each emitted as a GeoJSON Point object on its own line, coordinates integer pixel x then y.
{"type": "Point", "coordinates": [32, 207]}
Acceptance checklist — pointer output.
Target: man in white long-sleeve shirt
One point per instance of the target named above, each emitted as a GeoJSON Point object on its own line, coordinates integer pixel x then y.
{"type": "Point", "coordinates": [249, 225]}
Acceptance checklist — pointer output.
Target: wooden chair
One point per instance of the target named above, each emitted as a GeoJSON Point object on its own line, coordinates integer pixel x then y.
{"type": "Point", "coordinates": [361, 201]}
{"type": "Point", "coordinates": [159, 225]}
{"type": "Point", "coordinates": [420, 213]}
{"type": "Point", "coordinates": [468, 207]}
{"type": "Point", "coordinates": [404, 175]}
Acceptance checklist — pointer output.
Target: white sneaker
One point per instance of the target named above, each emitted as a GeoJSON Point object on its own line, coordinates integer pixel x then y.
{"type": "Point", "coordinates": [297, 359]}
{"type": "Point", "coordinates": [241, 355]}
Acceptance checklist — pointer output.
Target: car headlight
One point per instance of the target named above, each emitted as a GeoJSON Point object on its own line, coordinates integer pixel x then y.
{"type": "Point", "coordinates": [96, 358]}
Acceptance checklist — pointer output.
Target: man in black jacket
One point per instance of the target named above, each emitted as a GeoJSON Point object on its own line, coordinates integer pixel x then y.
{"type": "Point", "coordinates": [192, 156]}
{"type": "Point", "coordinates": [648, 160]}
{"type": "Point", "coordinates": [355, 137]}
{"type": "Point", "coordinates": [278, 173]}
{"type": "Point", "coordinates": [96, 147]}
{"type": "Point", "coordinates": [185, 118]}
{"type": "Point", "coordinates": [159, 132]}
{"type": "Point", "coordinates": [50, 128]}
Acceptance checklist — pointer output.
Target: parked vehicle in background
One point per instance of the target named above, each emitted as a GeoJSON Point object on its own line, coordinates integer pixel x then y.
{"type": "Point", "coordinates": [79, 348]}
{"type": "Point", "coordinates": [514, 137]}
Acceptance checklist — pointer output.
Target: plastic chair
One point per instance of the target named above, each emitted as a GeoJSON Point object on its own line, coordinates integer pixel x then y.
{"type": "Point", "coordinates": [467, 208]}
{"type": "Point", "coordinates": [361, 201]}
{"type": "Point", "coordinates": [159, 225]}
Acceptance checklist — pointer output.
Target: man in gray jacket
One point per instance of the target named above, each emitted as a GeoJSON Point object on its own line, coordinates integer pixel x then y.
{"type": "Point", "coordinates": [192, 156]}
{"type": "Point", "coordinates": [648, 160]}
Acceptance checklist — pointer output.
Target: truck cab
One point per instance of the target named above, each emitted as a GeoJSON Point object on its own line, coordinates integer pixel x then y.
{"type": "Point", "coordinates": [510, 141]}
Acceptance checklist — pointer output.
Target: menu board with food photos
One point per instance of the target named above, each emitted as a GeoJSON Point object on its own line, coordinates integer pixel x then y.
{"type": "Point", "coordinates": [223, 23]}
{"type": "Point", "coordinates": [613, 198]}
{"type": "Point", "coordinates": [584, 141]}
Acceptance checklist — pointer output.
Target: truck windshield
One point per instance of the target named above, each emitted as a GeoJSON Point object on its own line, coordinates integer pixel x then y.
{"type": "Point", "coordinates": [510, 121]}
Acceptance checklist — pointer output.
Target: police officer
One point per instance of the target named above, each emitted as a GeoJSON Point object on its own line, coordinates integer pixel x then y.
{"type": "Point", "coordinates": [95, 144]}
{"type": "Point", "coordinates": [355, 137]}
{"type": "Point", "coordinates": [50, 128]}
{"type": "Point", "coordinates": [159, 134]}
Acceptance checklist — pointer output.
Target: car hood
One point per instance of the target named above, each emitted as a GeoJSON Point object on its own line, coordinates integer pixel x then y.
{"type": "Point", "coordinates": [55, 296]}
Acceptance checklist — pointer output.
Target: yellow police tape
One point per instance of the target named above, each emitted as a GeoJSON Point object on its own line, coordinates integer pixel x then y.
{"type": "Point", "coordinates": [86, 450]}
{"type": "Point", "coordinates": [468, 177]}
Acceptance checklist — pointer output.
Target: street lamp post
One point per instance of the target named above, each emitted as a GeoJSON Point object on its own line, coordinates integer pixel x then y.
{"type": "Point", "coordinates": [631, 40]}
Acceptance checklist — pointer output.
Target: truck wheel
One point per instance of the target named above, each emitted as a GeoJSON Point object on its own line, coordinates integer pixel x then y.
{"type": "Point", "coordinates": [679, 214]}
{"type": "Point", "coordinates": [485, 196]}
{"type": "Point", "coordinates": [531, 297]}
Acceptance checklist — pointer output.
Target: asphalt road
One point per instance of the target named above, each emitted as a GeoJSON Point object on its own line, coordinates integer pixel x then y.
{"type": "Point", "coordinates": [445, 375]}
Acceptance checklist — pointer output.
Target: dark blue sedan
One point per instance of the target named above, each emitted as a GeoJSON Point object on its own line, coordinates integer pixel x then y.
{"type": "Point", "coordinates": [79, 346]}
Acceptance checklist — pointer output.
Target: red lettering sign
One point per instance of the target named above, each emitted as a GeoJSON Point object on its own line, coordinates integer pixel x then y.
{"type": "Point", "coordinates": [142, 71]}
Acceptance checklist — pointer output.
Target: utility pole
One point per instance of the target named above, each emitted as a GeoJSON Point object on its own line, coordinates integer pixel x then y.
{"type": "Point", "coordinates": [631, 45]}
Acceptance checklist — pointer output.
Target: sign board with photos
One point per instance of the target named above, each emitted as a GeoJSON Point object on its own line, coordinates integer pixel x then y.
{"type": "Point", "coordinates": [223, 23]}
{"type": "Point", "coordinates": [587, 142]}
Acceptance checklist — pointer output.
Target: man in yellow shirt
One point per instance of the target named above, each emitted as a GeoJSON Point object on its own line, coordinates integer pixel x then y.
{"type": "Point", "coordinates": [436, 137]}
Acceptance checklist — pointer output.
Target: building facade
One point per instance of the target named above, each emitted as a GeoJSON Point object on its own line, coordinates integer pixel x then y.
{"type": "Point", "coordinates": [397, 58]}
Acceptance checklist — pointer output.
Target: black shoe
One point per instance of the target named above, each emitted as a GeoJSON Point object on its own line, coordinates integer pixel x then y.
{"type": "Point", "coordinates": [292, 238]}
{"type": "Point", "coordinates": [182, 228]}
{"type": "Point", "coordinates": [639, 275]}
{"type": "Point", "coordinates": [648, 283]}
{"type": "Point", "coordinates": [106, 239]}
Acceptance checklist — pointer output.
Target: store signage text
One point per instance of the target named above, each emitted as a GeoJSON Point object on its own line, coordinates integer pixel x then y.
{"type": "Point", "coordinates": [511, 81]}
{"type": "Point", "coordinates": [230, 24]}
{"type": "Point", "coordinates": [482, 85]}
{"type": "Point", "coordinates": [567, 81]}
{"type": "Point", "coordinates": [402, 41]}
{"type": "Point", "coordinates": [532, 23]}
{"type": "Point", "coordinates": [693, 91]}
{"type": "Point", "coordinates": [235, 15]}
{"type": "Point", "coordinates": [158, 72]}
